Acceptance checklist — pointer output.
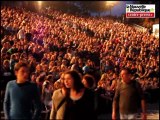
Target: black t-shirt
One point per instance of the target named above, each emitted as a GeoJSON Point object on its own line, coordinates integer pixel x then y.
{"type": "Point", "coordinates": [82, 109]}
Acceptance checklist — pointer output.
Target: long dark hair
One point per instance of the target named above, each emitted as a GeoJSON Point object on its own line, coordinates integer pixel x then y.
{"type": "Point", "coordinates": [78, 85]}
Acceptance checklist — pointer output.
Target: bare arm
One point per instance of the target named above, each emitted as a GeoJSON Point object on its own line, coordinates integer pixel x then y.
{"type": "Point", "coordinates": [114, 110]}
{"type": "Point", "coordinates": [115, 103]}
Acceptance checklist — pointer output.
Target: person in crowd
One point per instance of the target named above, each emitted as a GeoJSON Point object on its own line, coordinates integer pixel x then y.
{"type": "Point", "coordinates": [13, 61]}
{"type": "Point", "coordinates": [20, 95]}
{"type": "Point", "coordinates": [76, 66]}
{"type": "Point", "coordinates": [47, 91]}
{"type": "Point", "coordinates": [88, 81]}
{"type": "Point", "coordinates": [58, 101]}
{"type": "Point", "coordinates": [56, 42]}
{"type": "Point", "coordinates": [115, 81]}
{"type": "Point", "coordinates": [7, 74]}
{"type": "Point", "coordinates": [21, 33]}
{"type": "Point", "coordinates": [39, 81]}
{"type": "Point", "coordinates": [87, 68]}
{"type": "Point", "coordinates": [80, 101]}
{"type": "Point", "coordinates": [128, 94]}
{"type": "Point", "coordinates": [33, 78]}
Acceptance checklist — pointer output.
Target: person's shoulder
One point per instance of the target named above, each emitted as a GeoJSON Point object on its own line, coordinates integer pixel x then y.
{"type": "Point", "coordinates": [89, 91]}
{"type": "Point", "coordinates": [32, 84]}
{"type": "Point", "coordinates": [138, 83]}
{"type": "Point", "coordinates": [11, 82]}
{"type": "Point", "coordinates": [57, 92]}
{"type": "Point", "coordinates": [135, 82]}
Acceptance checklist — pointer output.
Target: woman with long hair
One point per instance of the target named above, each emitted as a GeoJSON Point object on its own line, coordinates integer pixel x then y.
{"type": "Point", "coordinates": [79, 100]}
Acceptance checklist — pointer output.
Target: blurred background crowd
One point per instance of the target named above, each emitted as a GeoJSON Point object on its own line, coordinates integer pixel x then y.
{"type": "Point", "coordinates": [96, 47]}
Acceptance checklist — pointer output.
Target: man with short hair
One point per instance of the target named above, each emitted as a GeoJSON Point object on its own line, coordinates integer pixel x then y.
{"type": "Point", "coordinates": [128, 94]}
{"type": "Point", "coordinates": [20, 95]}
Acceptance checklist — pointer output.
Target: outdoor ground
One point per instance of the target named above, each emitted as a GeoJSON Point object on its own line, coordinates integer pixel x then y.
{"type": "Point", "coordinates": [152, 113]}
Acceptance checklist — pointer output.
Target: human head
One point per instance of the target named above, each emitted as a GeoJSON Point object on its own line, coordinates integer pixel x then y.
{"type": "Point", "coordinates": [33, 77]}
{"type": "Point", "coordinates": [46, 84]}
{"type": "Point", "coordinates": [6, 64]}
{"type": "Point", "coordinates": [13, 57]}
{"type": "Point", "coordinates": [38, 68]}
{"type": "Point", "coordinates": [49, 78]}
{"type": "Point", "coordinates": [62, 78]}
{"type": "Point", "coordinates": [21, 70]}
{"type": "Point", "coordinates": [89, 62]}
{"type": "Point", "coordinates": [126, 75]}
{"type": "Point", "coordinates": [40, 79]}
{"type": "Point", "coordinates": [88, 81]}
{"type": "Point", "coordinates": [72, 80]}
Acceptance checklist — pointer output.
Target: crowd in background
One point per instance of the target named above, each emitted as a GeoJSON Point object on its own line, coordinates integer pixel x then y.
{"type": "Point", "coordinates": [98, 47]}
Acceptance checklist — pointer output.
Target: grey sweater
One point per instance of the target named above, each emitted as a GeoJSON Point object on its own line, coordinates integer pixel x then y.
{"type": "Point", "coordinates": [19, 99]}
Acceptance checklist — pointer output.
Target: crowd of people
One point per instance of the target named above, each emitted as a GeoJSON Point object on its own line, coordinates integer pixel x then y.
{"type": "Point", "coordinates": [54, 42]}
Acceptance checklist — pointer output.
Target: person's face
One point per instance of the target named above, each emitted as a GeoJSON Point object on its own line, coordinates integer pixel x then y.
{"type": "Point", "coordinates": [45, 68]}
{"type": "Point", "coordinates": [125, 76]}
{"type": "Point", "coordinates": [6, 64]}
{"type": "Point", "coordinates": [68, 81]}
{"type": "Point", "coordinates": [89, 62]}
{"type": "Point", "coordinates": [33, 78]}
{"type": "Point", "coordinates": [103, 85]}
{"type": "Point", "coordinates": [38, 68]}
{"type": "Point", "coordinates": [62, 80]}
{"type": "Point", "coordinates": [22, 74]}
{"type": "Point", "coordinates": [114, 76]}
{"type": "Point", "coordinates": [5, 45]}
{"type": "Point", "coordinates": [84, 83]}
